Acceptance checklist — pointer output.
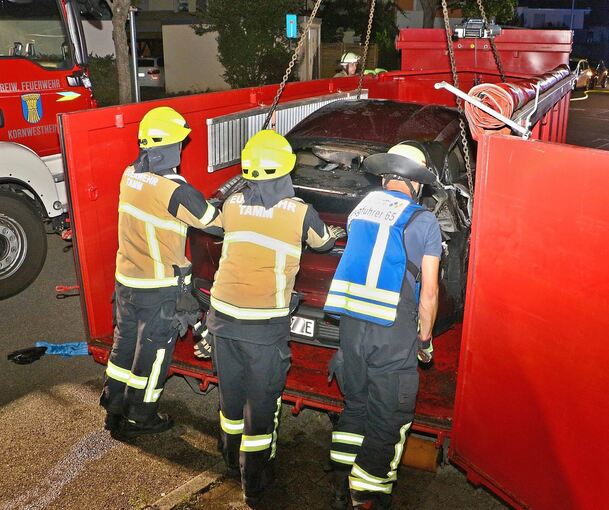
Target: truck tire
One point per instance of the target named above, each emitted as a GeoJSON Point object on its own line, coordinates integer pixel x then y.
{"type": "Point", "coordinates": [23, 244]}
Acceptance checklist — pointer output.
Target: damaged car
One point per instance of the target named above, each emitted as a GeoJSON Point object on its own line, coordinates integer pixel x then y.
{"type": "Point", "coordinates": [331, 145]}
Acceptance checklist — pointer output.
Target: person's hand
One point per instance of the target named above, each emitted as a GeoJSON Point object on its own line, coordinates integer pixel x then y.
{"type": "Point", "coordinates": [337, 232]}
{"type": "Point", "coordinates": [425, 352]}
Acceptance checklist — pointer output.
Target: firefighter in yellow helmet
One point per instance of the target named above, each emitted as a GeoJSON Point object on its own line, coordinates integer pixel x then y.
{"type": "Point", "coordinates": [265, 228]}
{"type": "Point", "coordinates": [151, 305]}
{"type": "Point", "coordinates": [348, 64]}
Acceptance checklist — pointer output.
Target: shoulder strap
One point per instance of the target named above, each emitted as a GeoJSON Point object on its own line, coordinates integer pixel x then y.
{"type": "Point", "coordinates": [411, 267]}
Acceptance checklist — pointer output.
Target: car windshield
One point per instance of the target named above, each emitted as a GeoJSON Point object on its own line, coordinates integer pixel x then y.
{"type": "Point", "coordinates": [34, 31]}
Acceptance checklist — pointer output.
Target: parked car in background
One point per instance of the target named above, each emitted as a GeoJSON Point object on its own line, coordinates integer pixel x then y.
{"type": "Point", "coordinates": [601, 73]}
{"type": "Point", "coordinates": [330, 146]}
{"type": "Point", "coordinates": [583, 72]}
{"type": "Point", "coordinates": [151, 72]}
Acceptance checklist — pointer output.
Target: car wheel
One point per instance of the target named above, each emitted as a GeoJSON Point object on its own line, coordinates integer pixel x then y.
{"type": "Point", "coordinates": [589, 84]}
{"type": "Point", "coordinates": [23, 244]}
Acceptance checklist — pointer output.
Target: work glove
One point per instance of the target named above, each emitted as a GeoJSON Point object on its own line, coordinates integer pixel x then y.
{"type": "Point", "coordinates": [336, 232]}
{"type": "Point", "coordinates": [187, 313]}
{"type": "Point", "coordinates": [202, 347]}
{"type": "Point", "coordinates": [425, 352]}
{"type": "Point", "coordinates": [26, 356]}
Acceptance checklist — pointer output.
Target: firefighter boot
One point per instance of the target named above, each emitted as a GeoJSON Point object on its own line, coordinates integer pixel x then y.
{"type": "Point", "coordinates": [113, 421]}
{"type": "Point", "coordinates": [269, 477]}
{"type": "Point", "coordinates": [130, 429]}
{"type": "Point", "coordinates": [376, 502]}
{"type": "Point", "coordinates": [340, 486]}
{"type": "Point", "coordinates": [253, 500]}
{"type": "Point", "coordinates": [230, 454]}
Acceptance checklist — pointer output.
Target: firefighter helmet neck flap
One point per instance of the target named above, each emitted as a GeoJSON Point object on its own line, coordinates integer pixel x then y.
{"type": "Point", "coordinates": [266, 162]}
{"type": "Point", "coordinates": [161, 133]}
{"type": "Point", "coordinates": [406, 162]}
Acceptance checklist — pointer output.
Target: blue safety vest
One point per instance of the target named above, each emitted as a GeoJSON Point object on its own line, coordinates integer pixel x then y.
{"type": "Point", "coordinates": [369, 277]}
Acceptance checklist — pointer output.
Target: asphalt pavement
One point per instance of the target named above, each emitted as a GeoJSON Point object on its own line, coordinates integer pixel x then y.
{"type": "Point", "coordinates": [55, 455]}
{"type": "Point", "coordinates": [588, 124]}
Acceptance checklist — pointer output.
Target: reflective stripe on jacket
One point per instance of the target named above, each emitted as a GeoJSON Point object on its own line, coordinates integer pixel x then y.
{"type": "Point", "coordinates": [261, 256]}
{"type": "Point", "coordinates": [369, 276]}
{"type": "Point", "coordinates": [153, 217]}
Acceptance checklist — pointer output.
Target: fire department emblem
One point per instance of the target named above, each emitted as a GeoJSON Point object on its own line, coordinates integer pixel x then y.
{"type": "Point", "coordinates": [31, 105]}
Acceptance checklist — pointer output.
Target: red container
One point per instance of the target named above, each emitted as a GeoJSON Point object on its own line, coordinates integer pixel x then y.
{"type": "Point", "coordinates": [537, 296]}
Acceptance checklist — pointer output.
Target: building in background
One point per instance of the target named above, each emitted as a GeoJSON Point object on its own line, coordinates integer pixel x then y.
{"type": "Point", "coordinates": [533, 17]}
{"type": "Point", "coordinates": [410, 15]}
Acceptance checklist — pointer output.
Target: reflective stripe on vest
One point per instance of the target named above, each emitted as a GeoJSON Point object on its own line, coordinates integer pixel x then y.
{"type": "Point", "coordinates": [175, 226]}
{"type": "Point", "coordinates": [149, 283]}
{"type": "Point", "coordinates": [248, 313]}
{"type": "Point", "coordinates": [369, 276]}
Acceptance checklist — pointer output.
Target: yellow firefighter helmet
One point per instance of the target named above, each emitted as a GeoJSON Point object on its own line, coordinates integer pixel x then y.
{"type": "Point", "coordinates": [267, 155]}
{"type": "Point", "coordinates": [162, 126]}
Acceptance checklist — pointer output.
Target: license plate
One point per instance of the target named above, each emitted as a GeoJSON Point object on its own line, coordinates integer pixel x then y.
{"type": "Point", "coordinates": [302, 326]}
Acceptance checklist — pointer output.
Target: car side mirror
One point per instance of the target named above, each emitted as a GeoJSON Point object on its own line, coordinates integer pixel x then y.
{"type": "Point", "coordinates": [16, 49]}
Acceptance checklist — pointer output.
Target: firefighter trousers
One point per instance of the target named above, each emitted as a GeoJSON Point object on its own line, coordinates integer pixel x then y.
{"type": "Point", "coordinates": [144, 340]}
{"type": "Point", "coordinates": [376, 368]}
{"type": "Point", "coordinates": [251, 378]}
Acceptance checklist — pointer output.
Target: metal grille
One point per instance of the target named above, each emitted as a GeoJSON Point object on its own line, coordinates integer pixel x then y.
{"type": "Point", "coordinates": [228, 134]}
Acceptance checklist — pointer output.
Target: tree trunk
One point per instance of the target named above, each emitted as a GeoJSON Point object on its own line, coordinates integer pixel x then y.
{"type": "Point", "coordinates": [120, 14]}
{"type": "Point", "coordinates": [429, 12]}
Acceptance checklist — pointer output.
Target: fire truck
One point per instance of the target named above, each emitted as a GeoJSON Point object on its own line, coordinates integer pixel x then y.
{"type": "Point", "coordinates": [43, 72]}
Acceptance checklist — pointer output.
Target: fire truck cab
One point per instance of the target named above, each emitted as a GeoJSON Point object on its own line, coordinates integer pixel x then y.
{"type": "Point", "coordinates": [43, 72]}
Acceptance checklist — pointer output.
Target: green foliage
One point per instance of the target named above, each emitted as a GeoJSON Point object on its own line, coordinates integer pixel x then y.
{"type": "Point", "coordinates": [503, 11]}
{"type": "Point", "coordinates": [105, 79]}
{"type": "Point", "coordinates": [251, 39]}
{"type": "Point", "coordinates": [384, 32]}
{"type": "Point", "coordinates": [339, 16]}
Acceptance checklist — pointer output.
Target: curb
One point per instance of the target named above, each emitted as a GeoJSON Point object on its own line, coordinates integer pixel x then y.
{"type": "Point", "coordinates": [199, 483]}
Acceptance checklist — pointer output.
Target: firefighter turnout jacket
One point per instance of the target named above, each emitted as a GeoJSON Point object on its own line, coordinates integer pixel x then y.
{"type": "Point", "coordinates": [261, 256]}
{"type": "Point", "coordinates": [154, 214]}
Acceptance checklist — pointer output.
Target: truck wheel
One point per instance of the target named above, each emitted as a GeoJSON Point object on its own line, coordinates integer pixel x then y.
{"type": "Point", "coordinates": [23, 244]}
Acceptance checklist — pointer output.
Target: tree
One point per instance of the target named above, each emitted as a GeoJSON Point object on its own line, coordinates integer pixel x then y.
{"type": "Point", "coordinates": [502, 10]}
{"type": "Point", "coordinates": [430, 7]}
{"type": "Point", "coordinates": [120, 13]}
{"type": "Point", "coordinates": [251, 38]}
{"type": "Point", "coordinates": [340, 16]}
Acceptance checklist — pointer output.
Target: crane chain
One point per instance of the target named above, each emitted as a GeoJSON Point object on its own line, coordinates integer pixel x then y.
{"type": "Point", "coordinates": [288, 71]}
{"type": "Point", "coordinates": [492, 41]}
{"type": "Point", "coordinates": [455, 76]}
{"type": "Point", "coordinates": [366, 45]}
